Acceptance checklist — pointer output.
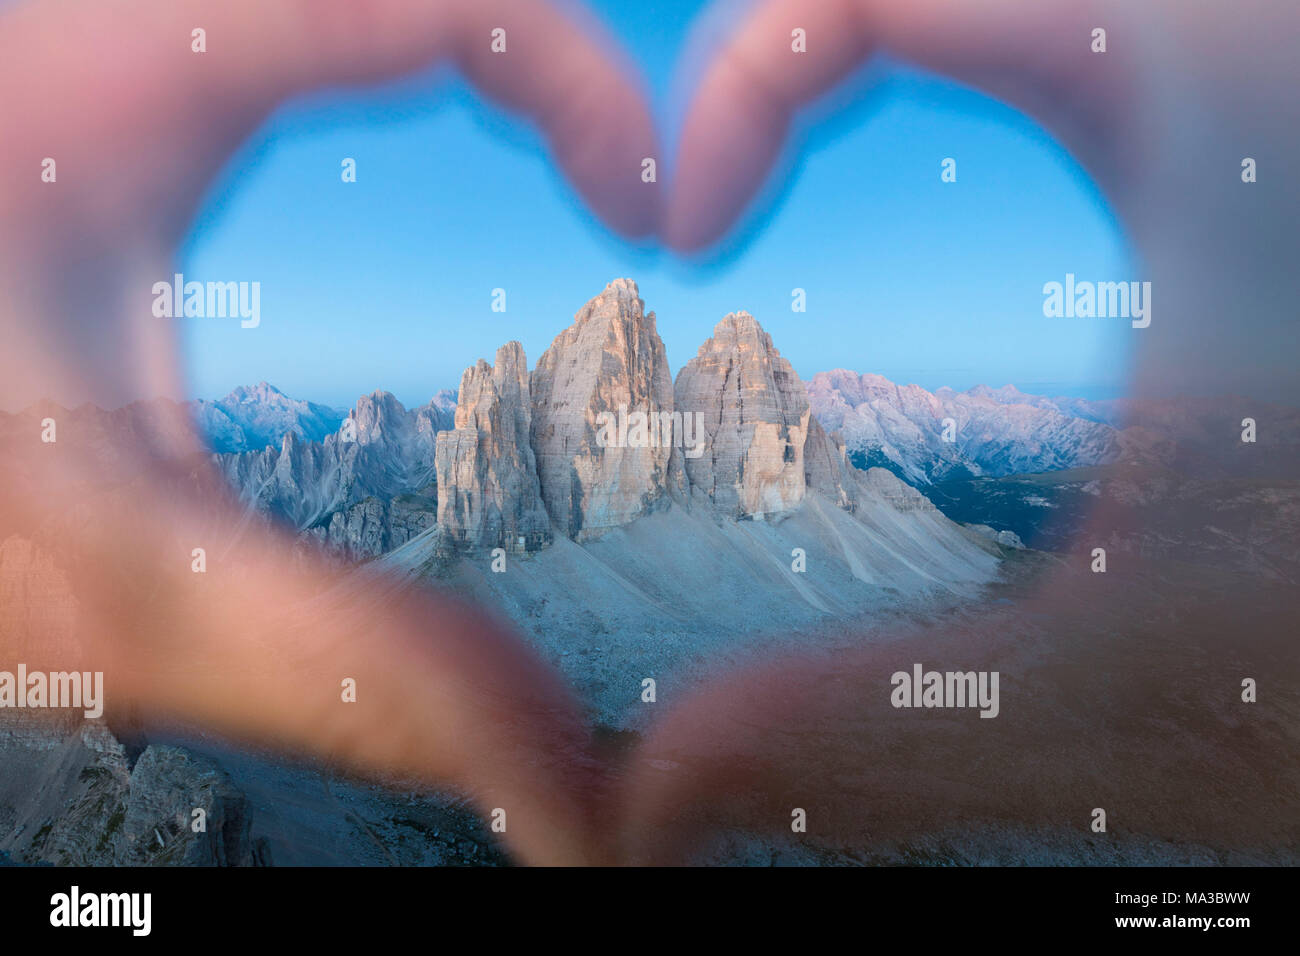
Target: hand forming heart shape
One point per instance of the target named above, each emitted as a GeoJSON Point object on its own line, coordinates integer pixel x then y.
{"type": "Point", "coordinates": [460, 699]}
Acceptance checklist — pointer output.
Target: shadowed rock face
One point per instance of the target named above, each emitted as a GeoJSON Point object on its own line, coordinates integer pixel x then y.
{"type": "Point", "coordinates": [756, 422]}
{"type": "Point", "coordinates": [73, 793]}
{"type": "Point", "coordinates": [610, 359]}
{"type": "Point", "coordinates": [488, 493]}
{"type": "Point", "coordinates": [826, 469]}
{"type": "Point", "coordinates": [376, 526]}
{"type": "Point", "coordinates": [76, 799]}
{"type": "Point", "coordinates": [381, 450]}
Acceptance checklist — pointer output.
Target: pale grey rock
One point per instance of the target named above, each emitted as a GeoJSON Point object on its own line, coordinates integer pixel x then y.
{"type": "Point", "coordinates": [826, 467]}
{"type": "Point", "coordinates": [881, 484]}
{"type": "Point", "coordinates": [756, 420]}
{"type": "Point", "coordinates": [488, 490]}
{"type": "Point", "coordinates": [611, 360]}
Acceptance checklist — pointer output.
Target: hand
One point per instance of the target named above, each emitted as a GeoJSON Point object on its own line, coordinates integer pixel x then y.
{"type": "Point", "coordinates": [253, 648]}
{"type": "Point", "coordinates": [138, 125]}
{"type": "Point", "coordinates": [1162, 120]}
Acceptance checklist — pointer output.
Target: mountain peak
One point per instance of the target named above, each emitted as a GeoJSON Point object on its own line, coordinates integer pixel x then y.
{"type": "Point", "coordinates": [740, 321]}
{"type": "Point", "coordinates": [620, 302]}
{"type": "Point", "coordinates": [257, 416]}
{"type": "Point", "coordinates": [756, 417]}
{"type": "Point", "coordinates": [1008, 394]}
{"type": "Point", "coordinates": [622, 288]}
{"type": "Point", "coordinates": [261, 392]}
{"type": "Point", "coordinates": [738, 331]}
{"type": "Point", "coordinates": [610, 358]}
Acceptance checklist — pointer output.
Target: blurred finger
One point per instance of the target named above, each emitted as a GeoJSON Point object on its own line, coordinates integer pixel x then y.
{"type": "Point", "coordinates": [759, 75]}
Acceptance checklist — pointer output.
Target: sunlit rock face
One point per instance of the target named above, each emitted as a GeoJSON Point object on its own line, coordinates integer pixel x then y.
{"type": "Point", "coordinates": [756, 422]}
{"type": "Point", "coordinates": [610, 361]}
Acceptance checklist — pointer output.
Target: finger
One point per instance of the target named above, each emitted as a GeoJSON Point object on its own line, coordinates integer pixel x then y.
{"type": "Point", "coordinates": [1032, 55]}
{"type": "Point", "coordinates": [278, 649]}
{"type": "Point", "coordinates": [142, 121]}
{"type": "Point", "coordinates": [454, 697]}
{"type": "Point", "coordinates": [1091, 688]}
{"type": "Point", "coordinates": [139, 124]}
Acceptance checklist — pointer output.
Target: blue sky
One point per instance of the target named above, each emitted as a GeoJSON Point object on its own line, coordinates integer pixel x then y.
{"type": "Point", "coordinates": [387, 282]}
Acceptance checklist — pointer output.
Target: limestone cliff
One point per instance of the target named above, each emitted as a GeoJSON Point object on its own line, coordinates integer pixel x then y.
{"type": "Point", "coordinates": [488, 492]}
{"type": "Point", "coordinates": [609, 362]}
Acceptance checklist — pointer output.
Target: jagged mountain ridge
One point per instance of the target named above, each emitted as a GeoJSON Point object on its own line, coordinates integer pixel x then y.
{"type": "Point", "coordinates": [373, 488]}
{"type": "Point", "coordinates": [380, 451]}
{"type": "Point", "coordinates": [521, 460]}
{"type": "Point", "coordinates": [926, 437]}
{"type": "Point", "coordinates": [733, 436]}
{"type": "Point", "coordinates": [258, 416]}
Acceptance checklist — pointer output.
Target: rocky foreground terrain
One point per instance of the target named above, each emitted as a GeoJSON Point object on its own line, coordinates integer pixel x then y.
{"type": "Point", "coordinates": [768, 518]}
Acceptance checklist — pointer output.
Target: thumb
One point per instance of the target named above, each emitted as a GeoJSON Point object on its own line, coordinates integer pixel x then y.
{"type": "Point", "coordinates": [1164, 121]}
{"type": "Point", "coordinates": [785, 53]}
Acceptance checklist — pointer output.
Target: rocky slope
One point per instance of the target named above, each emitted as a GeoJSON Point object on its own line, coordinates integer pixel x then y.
{"type": "Point", "coordinates": [630, 556]}
{"type": "Point", "coordinates": [623, 562]}
{"type": "Point", "coordinates": [610, 438]}
{"type": "Point", "coordinates": [669, 544]}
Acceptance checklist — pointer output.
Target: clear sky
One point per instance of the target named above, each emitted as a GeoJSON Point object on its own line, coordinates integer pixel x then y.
{"type": "Point", "coordinates": [387, 282]}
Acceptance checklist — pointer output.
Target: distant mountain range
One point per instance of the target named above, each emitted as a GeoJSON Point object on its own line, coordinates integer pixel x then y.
{"type": "Point", "coordinates": [928, 437]}
{"type": "Point", "coordinates": [356, 480]}
{"type": "Point", "coordinates": [636, 510]}
{"type": "Point", "coordinates": [517, 455]}
{"type": "Point", "coordinates": [254, 417]}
